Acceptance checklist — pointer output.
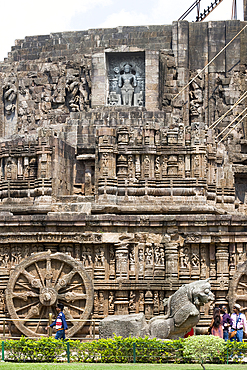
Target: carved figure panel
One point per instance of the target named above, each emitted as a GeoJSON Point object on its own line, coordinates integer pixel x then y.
{"type": "Point", "coordinates": [126, 74]}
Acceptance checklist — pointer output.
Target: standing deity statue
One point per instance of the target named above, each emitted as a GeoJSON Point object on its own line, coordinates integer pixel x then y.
{"type": "Point", "coordinates": [127, 82]}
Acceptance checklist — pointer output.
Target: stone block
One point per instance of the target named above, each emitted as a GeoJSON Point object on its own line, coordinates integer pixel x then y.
{"type": "Point", "coordinates": [133, 325]}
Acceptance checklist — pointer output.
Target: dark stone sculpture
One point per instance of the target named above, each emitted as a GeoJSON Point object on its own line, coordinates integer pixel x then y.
{"type": "Point", "coordinates": [182, 314]}
{"type": "Point", "coordinates": [127, 82]}
{"type": "Point", "coordinates": [182, 310]}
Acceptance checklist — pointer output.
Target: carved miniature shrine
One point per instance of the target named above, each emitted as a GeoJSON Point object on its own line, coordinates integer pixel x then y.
{"type": "Point", "coordinates": [114, 191]}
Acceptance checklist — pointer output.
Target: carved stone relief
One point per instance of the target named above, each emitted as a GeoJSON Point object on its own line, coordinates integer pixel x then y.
{"type": "Point", "coordinates": [39, 281]}
{"type": "Point", "coordinates": [126, 74]}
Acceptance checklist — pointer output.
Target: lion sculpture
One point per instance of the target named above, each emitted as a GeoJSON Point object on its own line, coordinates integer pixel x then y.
{"type": "Point", "coordinates": [182, 311]}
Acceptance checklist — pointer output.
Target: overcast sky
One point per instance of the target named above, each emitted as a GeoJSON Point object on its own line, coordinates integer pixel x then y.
{"type": "Point", "coordinates": [20, 18]}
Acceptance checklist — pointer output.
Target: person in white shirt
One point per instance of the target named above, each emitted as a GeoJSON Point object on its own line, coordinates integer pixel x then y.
{"type": "Point", "coordinates": [239, 323]}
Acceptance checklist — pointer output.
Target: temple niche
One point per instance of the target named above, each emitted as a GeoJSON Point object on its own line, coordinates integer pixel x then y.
{"type": "Point", "coordinates": [126, 79]}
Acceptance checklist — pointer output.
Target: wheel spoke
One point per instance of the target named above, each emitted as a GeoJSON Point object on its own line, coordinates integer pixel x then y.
{"type": "Point", "coordinates": [243, 284]}
{"type": "Point", "coordinates": [34, 311]}
{"type": "Point", "coordinates": [48, 264]}
{"type": "Point", "coordinates": [73, 287]}
{"type": "Point", "coordinates": [72, 296]}
{"type": "Point", "coordinates": [24, 307]}
{"type": "Point", "coordinates": [75, 307]}
{"type": "Point", "coordinates": [24, 285]}
{"type": "Point", "coordinates": [40, 315]}
{"type": "Point", "coordinates": [40, 275]}
{"type": "Point", "coordinates": [35, 283]}
{"type": "Point", "coordinates": [69, 317]}
{"type": "Point", "coordinates": [65, 279]}
{"type": "Point", "coordinates": [48, 275]}
{"type": "Point", "coordinates": [25, 295]}
{"type": "Point", "coordinates": [59, 273]}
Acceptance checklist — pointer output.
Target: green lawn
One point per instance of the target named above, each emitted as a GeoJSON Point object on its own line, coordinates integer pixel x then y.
{"type": "Point", "coordinates": [73, 366]}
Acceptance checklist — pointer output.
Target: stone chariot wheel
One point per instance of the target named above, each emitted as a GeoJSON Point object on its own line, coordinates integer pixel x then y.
{"type": "Point", "coordinates": [39, 282]}
{"type": "Point", "coordinates": [238, 288]}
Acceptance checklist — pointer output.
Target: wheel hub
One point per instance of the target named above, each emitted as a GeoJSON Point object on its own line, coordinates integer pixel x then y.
{"type": "Point", "coordinates": [48, 296]}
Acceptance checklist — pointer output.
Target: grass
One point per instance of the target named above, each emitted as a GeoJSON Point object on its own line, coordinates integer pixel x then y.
{"type": "Point", "coordinates": [81, 366]}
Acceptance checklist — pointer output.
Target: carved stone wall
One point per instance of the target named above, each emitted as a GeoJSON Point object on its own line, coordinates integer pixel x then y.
{"type": "Point", "coordinates": [101, 164]}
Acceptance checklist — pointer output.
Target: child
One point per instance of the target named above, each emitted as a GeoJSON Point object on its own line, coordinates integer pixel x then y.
{"type": "Point", "coordinates": [60, 322]}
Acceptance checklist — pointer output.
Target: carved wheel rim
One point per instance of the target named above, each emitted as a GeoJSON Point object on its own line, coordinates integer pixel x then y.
{"type": "Point", "coordinates": [238, 288]}
{"type": "Point", "coordinates": [41, 280]}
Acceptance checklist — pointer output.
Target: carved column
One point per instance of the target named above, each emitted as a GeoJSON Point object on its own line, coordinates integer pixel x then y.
{"type": "Point", "coordinates": [149, 261]}
{"type": "Point", "coordinates": [187, 165]}
{"type": "Point", "coordinates": [149, 304]}
{"type": "Point", "coordinates": [171, 256]}
{"type": "Point", "coordinates": [195, 261]}
{"type": "Point", "coordinates": [138, 166]}
{"type": "Point", "coordinates": [121, 302]}
{"type": "Point", "coordinates": [111, 304]}
{"type": "Point", "coordinates": [159, 261]}
{"type": "Point", "coordinates": [222, 259]}
{"type": "Point", "coordinates": [222, 262]}
{"type": "Point", "coordinates": [132, 263]}
{"type": "Point", "coordinates": [212, 263]}
{"type": "Point", "coordinates": [140, 266]}
{"type": "Point", "coordinates": [99, 263]}
{"type": "Point", "coordinates": [106, 171]}
{"type": "Point", "coordinates": [232, 264]}
{"type": "Point", "coordinates": [132, 302]}
{"type": "Point", "coordinates": [122, 261]}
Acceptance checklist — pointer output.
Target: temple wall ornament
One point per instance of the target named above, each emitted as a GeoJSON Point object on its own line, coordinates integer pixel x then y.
{"type": "Point", "coordinates": [126, 74]}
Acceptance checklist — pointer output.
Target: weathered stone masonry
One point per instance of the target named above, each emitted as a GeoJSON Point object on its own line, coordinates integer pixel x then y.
{"type": "Point", "coordinates": [100, 164]}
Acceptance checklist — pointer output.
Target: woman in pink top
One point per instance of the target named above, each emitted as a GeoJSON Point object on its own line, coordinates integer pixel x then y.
{"type": "Point", "coordinates": [216, 324]}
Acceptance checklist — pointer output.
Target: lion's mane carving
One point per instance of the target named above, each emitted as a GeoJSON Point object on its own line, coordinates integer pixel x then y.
{"type": "Point", "coordinates": [182, 311]}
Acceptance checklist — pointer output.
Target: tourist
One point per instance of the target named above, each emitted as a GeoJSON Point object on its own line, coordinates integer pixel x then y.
{"type": "Point", "coordinates": [227, 322]}
{"type": "Point", "coordinates": [216, 324]}
{"type": "Point", "coordinates": [239, 324]}
{"type": "Point", "coordinates": [60, 323]}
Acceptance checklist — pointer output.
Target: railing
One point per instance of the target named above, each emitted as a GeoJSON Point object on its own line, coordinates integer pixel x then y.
{"type": "Point", "coordinates": [92, 334]}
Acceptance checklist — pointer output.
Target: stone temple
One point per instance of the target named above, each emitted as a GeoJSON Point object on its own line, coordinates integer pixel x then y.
{"type": "Point", "coordinates": [114, 192]}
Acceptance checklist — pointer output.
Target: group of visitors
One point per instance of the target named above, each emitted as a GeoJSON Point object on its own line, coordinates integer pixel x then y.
{"type": "Point", "coordinates": [228, 327]}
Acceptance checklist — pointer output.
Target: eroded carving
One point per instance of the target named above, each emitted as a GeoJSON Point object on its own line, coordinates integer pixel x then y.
{"type": "Point", "coordinates": [42, 279]}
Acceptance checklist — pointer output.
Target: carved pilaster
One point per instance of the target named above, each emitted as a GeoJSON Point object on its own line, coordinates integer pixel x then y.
{"type": "Point", "coordinates": [171, 256]}
{"type": "Point", "coordinates": [184, 263]}
{"type": "Point", "coordinates": [222, 260]}
{"type": "Point", "coordinates": [101, 304]}
{"type": "Point", "coordinates": [161, 303]}
{"type": "Point", "coordinates": [156, 303]}
{"type": "Point", "coordinates": [132, 302]}
{"type": "Point", "coordinates": [232, 264]}
{"type": "Point", "coordinates": [212, 264]}
{"type": "Point", "coordinates": [99, 263]}
{"type": "Point", "coordinates": [141, 248]}
{"type": "Point", "coordinates": [187, 165]}
{"type": "Point", "coordinates": [159, 261]}
{"type": "Point", "coordinates": [111, 263]}
{"type": "Point", "coordinates": [122, 260]}
{"type": "Point", "coordinates": [149, 261]}
{"type": "Point", "coordinates": [111, 304]}
{"type": "Point", "coordinates": [121, 302]}
{"type": "Point", "coordinates": [132, 263]}
{"type": "Point", "coordinates": [195, 261]}
{"type": "Point", "coordinates": [141, 301]}
{"type": "Point", "coordinates": [148, 304]}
